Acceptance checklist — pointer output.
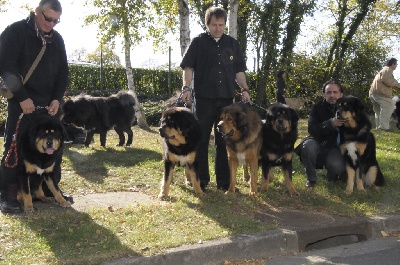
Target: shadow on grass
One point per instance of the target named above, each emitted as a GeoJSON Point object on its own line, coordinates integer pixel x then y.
{"type": "Point", "coordinates": [95, 165]}
{"type": "Point", "coordinates": [72, 237]}
{"type": "Point", "coordinates": [241, 213]}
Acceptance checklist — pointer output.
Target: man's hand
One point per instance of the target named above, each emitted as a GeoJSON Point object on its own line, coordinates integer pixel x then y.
{"type": "Point", "coordinates": [53, 108]}
{"type": "Point", "coordinates": [338, 122]}
{"type": "Point", "coordinates": [27, 106]}
{"type": "Point", "coordinates": [186, 96]}
{"type": "Point", "coordinates": [245, 96]}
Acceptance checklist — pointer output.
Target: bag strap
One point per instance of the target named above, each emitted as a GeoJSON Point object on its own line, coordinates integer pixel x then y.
{"type": "Point", "coordinates": [35, 63]}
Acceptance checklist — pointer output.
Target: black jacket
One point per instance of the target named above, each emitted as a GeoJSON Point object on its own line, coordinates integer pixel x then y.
{"type": "Point", "coordinates": [320, 125]}
{"type": "Point", "coordinates": [19, 47]}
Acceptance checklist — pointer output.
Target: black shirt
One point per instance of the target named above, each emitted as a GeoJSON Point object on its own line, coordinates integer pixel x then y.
{"type": "Point", "coordinates": [215, 64]}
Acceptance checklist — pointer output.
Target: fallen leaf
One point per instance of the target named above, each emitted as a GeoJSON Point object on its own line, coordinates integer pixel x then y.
{"type": "Point", "coordinates": [98, 231]}
{"type": "Point", "coordinates": [384, 234]}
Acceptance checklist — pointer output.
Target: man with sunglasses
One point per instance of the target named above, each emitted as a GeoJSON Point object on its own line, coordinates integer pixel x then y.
{"type": "Point", "coordinates": [20, 44]}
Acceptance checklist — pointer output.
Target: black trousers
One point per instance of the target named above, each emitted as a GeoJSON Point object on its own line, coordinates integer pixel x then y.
{"type": "Point", "coordinates": [208, 113]}
{"type": "Point", "coordinates": [280, 98]}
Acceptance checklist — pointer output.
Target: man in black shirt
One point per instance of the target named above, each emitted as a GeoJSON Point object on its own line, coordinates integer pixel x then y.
{"type": "Point", "coordinates": [215, 62]}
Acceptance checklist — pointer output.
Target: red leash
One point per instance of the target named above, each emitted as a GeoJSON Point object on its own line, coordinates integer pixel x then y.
{"type": "Point", "coordinates": [13, 147]}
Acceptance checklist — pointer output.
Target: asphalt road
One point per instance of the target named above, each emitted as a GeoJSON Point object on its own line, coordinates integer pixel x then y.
{"type": "Point", "coordinates": [380, 251]}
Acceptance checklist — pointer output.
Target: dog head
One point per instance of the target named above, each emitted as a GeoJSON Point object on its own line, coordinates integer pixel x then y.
{"type": "Point", "coordinates": [84, 108]}
{"type": "Point", "coordinates": [178, 125]}
{"type": "Point", "coordinates": [282, 118]}
{"type": "Point", "coordinates": [351, 109]}
{"type": "Point", "coordinates": [237, 120]}
{"type": "Point", "coordinates": [47, 135]}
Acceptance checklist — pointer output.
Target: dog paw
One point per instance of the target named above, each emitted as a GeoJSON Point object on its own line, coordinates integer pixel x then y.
{"type": "Point", "coordinates": [294, 194]}
{"type": "Point", "coordinates": [349, 192]}
{"type": "Point", "coordinates": [201, 193]}
{"type": "Point", "coordinates": [162, 197]}
{"type": "Point", "coordinates": [65, 204]}
{"type": "Point", "coordinates": [29, 209]}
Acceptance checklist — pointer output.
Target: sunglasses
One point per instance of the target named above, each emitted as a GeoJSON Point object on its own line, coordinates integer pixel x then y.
{"type": "Point", "coordinates": [49, 19]}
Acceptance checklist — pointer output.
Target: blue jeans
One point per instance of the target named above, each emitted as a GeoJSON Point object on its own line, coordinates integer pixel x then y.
{"type": "Point", "coordinates": [313, 155]}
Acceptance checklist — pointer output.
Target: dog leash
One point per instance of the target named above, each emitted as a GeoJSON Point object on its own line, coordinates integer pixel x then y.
{"type": "Point", "coordinates": [255, 105]}
{"type": "Point", "coordinates": [13, 146]}
{"type": "Point", "coordinates": [192, 99]}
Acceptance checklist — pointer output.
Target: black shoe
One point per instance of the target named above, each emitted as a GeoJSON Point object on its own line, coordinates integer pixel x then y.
{"type": "Point", "coordinates": [68, 197]}
{"type": "Point", "coordinates": [203, 186]}
{"type": "Point", "coordinates": [10, 207]}
{"type": "Point", "coordinates": [310, 183]}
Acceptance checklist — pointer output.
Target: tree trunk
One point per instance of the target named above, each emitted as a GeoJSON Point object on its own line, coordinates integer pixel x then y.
{"type": "Point", "coordinates": [184, 21]}
{"type": "Point", "coordinates": [139, 113]}
{"type": "Point", "coordinates": [233, 18]}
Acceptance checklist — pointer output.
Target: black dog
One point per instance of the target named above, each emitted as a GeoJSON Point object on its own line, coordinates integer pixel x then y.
{"type": "Point", "coordinates": [358, 146]}
{"type": "Point", "coordinates": [279, 136]}
{"type": "Point", "coordinates": [396, 112]}
{"type": "Point", "coordinates": [100, 114]}
{"type": "Point", "coordinates": [40, 155]}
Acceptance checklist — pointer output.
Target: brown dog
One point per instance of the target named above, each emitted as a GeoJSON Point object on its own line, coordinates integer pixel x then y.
{"type": "Point", "coordinates": [241, 128]}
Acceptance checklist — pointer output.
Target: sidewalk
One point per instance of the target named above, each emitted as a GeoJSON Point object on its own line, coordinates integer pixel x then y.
{"type": "Point", "coordinates": [297, 231]}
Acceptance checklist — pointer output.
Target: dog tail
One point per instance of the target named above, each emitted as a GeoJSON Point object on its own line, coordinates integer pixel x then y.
{"type": "Point", "coordinates": [126, 98]}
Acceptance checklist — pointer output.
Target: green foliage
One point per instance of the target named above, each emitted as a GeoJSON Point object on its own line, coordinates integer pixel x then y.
{"type": "Point", "coordinates": [148, 82]}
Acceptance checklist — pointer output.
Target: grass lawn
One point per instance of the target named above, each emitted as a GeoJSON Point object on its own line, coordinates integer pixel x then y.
{"type": "Point", "coordinates": [67, 236]}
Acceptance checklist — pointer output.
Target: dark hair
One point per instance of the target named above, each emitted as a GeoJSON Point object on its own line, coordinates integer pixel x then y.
{"type": "Point", "coordinates": [332, 81]}
{"type": "Point", "coordinates": [391, 62]}
{"type": "Point", "coordinates": [52, 4]}
{"type": "Point", "coordinates": [280, 74]}
{"type": "Point", "coordinates": [218, 12]}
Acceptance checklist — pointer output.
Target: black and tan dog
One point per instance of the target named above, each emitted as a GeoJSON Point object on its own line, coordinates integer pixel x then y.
{"type": "Point", "coordinates": [279, 136]}
{"type": "Point", "coordinates": [180, 133]}
{"type": "Point", "coordinates": [357, 144]}
{"type": "Point", "coordinates": [39, 152]}
{"type": "Point", "coordinates": [240, 126]}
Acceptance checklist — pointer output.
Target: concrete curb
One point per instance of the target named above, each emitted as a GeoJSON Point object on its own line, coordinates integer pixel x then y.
{"type": "Point", "coordinates": [272, 243]}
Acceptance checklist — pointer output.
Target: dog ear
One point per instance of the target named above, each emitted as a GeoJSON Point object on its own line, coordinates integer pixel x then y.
{"type": "Point", "coordinates": [269, 116]}
{"type": "Point", "coordinates": [360, 105]}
